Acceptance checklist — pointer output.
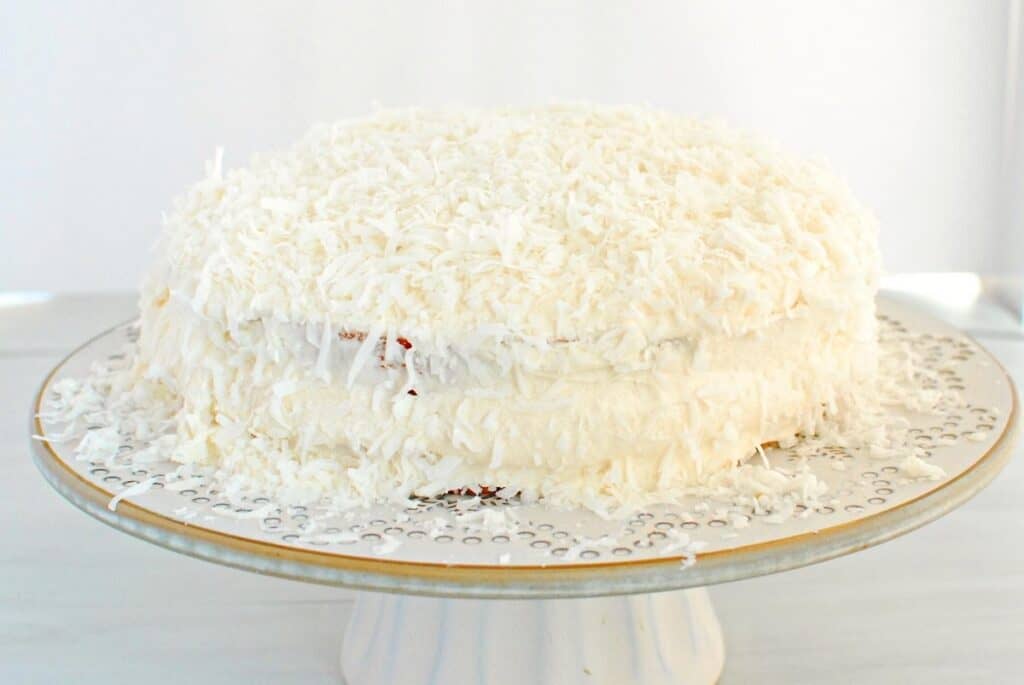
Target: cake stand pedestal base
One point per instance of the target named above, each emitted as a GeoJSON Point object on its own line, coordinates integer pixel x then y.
{"type": "Point", "coordinates": [657, 639]}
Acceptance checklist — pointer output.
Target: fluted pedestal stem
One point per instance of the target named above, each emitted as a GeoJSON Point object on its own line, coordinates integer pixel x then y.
{"type": "Point", "coordinates": [670, 638]}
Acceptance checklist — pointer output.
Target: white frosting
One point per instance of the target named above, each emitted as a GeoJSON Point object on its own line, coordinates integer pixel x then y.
{"type": "Point", "coordinates": [595, 305]}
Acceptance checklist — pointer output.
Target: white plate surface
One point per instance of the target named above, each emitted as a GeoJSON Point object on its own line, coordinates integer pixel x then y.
{"type": "Point", "coordinates": [441, 547]}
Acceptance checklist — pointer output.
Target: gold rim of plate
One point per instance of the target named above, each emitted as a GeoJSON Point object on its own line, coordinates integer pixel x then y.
{"type": "Point", "coordinates": [521, 581]}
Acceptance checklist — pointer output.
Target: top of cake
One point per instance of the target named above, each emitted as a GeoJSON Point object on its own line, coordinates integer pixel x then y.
{"type": "Point", "coordinates": [545, 224]}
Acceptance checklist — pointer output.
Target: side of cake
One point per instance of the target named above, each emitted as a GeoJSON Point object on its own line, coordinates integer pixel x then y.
{"type": "Point", "coordinates": [594, 305]}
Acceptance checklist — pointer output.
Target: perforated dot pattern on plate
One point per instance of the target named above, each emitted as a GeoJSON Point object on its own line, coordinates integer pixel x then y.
{"type": "Point", "coordinates": [447, 529]}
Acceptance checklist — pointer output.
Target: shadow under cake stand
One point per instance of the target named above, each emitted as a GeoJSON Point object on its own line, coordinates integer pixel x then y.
{"type": "Point", "coordinates": [554, 596]}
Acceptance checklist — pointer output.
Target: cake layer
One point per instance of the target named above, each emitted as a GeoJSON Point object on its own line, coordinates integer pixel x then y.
{"type": "Point", "coordinates": [269, 407]}
{"type": "Point", "coordinates": [570, 222]}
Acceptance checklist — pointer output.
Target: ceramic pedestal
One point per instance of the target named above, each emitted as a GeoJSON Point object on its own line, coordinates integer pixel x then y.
{"type": "Point", "coordinates": [668, 638]}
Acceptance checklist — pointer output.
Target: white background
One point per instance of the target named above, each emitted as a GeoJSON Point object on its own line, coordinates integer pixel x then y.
{"type": "Point", "coordinates": [110, 108]}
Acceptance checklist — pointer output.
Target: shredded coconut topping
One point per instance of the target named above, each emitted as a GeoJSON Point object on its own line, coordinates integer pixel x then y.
{"type": "Point", "coordinates": [598, 306]}
{"type": "Point", "coordinates": [622, 225]}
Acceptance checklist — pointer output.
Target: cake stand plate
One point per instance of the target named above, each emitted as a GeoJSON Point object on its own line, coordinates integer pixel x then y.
{"type": "Point", "coordinates": [495, 592]}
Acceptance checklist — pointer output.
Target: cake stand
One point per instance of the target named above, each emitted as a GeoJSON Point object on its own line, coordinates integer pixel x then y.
{"type": "Point", "coordinates": [464, 589]}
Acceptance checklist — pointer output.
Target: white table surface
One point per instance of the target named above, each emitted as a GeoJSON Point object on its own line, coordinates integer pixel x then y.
{"type": "Point", "coordinates": [82, 603]}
